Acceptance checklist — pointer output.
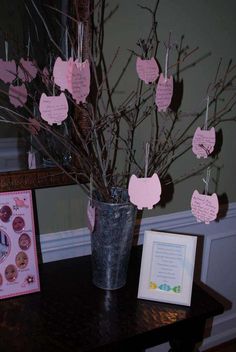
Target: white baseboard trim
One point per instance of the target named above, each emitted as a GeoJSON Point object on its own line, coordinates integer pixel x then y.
{"type": "Point", "coordinates": [74, 243]}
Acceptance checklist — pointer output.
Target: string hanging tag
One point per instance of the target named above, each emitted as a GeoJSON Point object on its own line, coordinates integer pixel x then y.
{"type": "Point", "coordinates": [146, 159]}
{"type": "Point", "coordinates": [80, 40]}
{"type": "Point", "coordinates": [28, 46]}
{"type": "Point", "coordinates": [6, 49]}
{"type": "Point", "coordinates": [207, 180]}
{"type": "Point", "coordinates": [206, 116]}
{"type": "Point", "coordinates": [66, 44]}
{"type": "Point", "coordinates": [166, 62]}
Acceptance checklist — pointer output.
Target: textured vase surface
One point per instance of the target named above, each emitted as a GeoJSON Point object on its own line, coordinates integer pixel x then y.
{"type": "Point", "coordinates": [111, 242]}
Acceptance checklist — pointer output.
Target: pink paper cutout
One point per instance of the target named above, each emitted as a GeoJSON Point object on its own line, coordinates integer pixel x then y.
{"type": "Point", "coordinates": [147, 70]}
{"type": "Point", "coordinates": [53, 109]}
{"type": "Point", "coordinates": [91, 216]}
{"type": "Point", "coordinates": [27, 70]}
{"type": "Point", "coordinates": [144, 192]}
{"type": "Point", "coordinates": [60, 72]}
{"type": "Point", "coordinates": [7, 71]}
{"type": "Point", "coordinates": [164, 92]}
{"type": "Point", "coordinates": [18, 95]}
{"type": "Point", "coordinates": [203, 142]}
{"type": "Point", "coordinates": [205, 208]}
{"type": "Point", "coordinates": [80, 81]}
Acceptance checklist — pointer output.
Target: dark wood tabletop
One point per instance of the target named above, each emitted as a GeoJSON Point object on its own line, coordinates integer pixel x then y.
{"type": "Point", "coordinates": [70, 314]}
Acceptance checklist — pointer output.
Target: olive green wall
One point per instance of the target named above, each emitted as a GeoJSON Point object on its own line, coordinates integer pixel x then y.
{"type": "Point", "coordinates": [209, 24]}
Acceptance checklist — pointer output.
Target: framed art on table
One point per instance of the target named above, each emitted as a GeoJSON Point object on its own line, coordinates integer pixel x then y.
{"type": "Point", "coordinates": [18, 256]}
{"type": "Point", "coordinates": [167, 267]}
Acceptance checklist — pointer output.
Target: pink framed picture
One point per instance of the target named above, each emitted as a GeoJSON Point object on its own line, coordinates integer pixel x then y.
{"type": "Point", "coordinates": [18, 256]}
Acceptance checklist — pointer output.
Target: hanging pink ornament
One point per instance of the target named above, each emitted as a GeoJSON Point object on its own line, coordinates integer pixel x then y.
{"type": "Point", "coordinates": [144, 192]}
{"type": "Point", "coordinates": [203, 142]}
{"type": "Point", "coordinates": [205, 208]}
{"type": "Point", "coordinates": [80, 81]}
{"type": "Point", "coordinates": [18, 95]}
{"type": "Point", "coordinates": [53, 109]}
{"type": "Point", "coordinates": [147, 70]}
{"type": "Point", "coordinates": [7, 71]}
{"type": "Point", "coordinates": [60, 72]}
{"type": "Point", "coordinates": [164, 92]}
{"type": "Point", "coordinates": [27, 70]}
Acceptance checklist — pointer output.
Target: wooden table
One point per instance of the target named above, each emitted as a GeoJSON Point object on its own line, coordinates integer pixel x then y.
{"type": "Point", "coordinates": [70, 314]}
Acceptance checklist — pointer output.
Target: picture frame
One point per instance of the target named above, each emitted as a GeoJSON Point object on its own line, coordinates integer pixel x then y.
{"type": "Point", "coordinates": [19, 273]}
{"type": "Point", "coordinates": [167, 267]}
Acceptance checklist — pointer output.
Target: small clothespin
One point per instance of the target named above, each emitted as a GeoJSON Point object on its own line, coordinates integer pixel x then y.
{"type": "Point", "coordinates": [207, 180]}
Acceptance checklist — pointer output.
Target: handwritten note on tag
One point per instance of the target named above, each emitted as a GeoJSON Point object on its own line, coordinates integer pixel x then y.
{"type": "Point", "coordinates": [164, 93]}
{"type": "Point", "coordinates": [147, 70]}
{"type": "Point", "coordinates": [144, 192]}
{"type": "Point", "coordinates": [205, 208]}
{"type": "Point", "coordinates": [7, 71]}
{"type": "Point", "coordinates": [53, 109]}
{"type": "Point", "coordinates": [80, 81]}
{"type": "Point", "coordinates": [91, 216]}
{"type": "Point", "coordinates": [60, 73]}
{"type": "Point", "coordinates": [18, 95]}
{"type": "Point", "coordinates": [27, 70]}
{"type": "Point", "coordinates": [203, 142]}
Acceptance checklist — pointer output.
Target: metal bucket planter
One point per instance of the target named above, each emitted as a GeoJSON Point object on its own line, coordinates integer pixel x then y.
{"type": "Point", "coordinates": [111, 241]}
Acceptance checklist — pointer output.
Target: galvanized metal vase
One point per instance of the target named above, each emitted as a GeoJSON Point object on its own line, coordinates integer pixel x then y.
{"type": "Point", "coordinates": [111, 241]}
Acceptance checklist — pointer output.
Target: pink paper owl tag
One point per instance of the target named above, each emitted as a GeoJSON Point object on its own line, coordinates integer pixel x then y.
{"type": "Point", "coordinates": [147, 70]}
{"type": "Point", "coordinates": [18, 95]}
{"type": "Point", "coordinates": [164, 92]}
{"type": "Point", "coordinates": [80, 81]}
{"type": "Point", "coordinates": [91, 216]}
{"type": "Point", "coordinates": [203, 142]}
{"type": "Point", "coordinates": [144, 192]}
{"type": "Point", "coordinates": [27, 70]}
{"type": "Point", "coordinates": [53, 109]}
{"type": "Point", "coordinates": [7, 71]}
{"type": "Point", "coordinates": [60, 73]}
{"type": "Point", "coordinates": [205, 208]}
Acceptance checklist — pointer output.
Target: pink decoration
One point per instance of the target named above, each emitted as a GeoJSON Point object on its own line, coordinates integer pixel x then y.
{"type": "Point", "coordinates": [27, 70]}
{"type": "Point", "coordinates": [53, 109]}
{"type": "Point", "coordinates": [147, 70]}
{"type": "Point", "coordinates": [144, 192]}
{"type": "Point", "coordinates": [60, 72]}
{"type": "Point", "coordinates": [203, 142]}
{"type": "Point", "coordinates": [80, 81]}
{"type": "Point", "coordinates": [204, 207]}
{"type": "Point", "coordinates": [91, 216]}
{"type": "Point", "coordinates": [7, 71]}
{"type": "Point", "coordinates": [69, 75]}
{"type": "Point", "coordinates": [164, 92]}
{"type": "Point", "coordinates": [18, 95]}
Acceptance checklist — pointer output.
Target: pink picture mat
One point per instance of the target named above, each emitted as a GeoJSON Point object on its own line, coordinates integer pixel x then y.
{"type": "Point", "coordinates": [21, 254]}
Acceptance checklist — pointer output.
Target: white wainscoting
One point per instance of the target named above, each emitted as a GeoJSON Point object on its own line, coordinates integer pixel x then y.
{"type": "Point", "coordinates": [218, 262]}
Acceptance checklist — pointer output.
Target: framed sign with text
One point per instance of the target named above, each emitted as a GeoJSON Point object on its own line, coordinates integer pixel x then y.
{"type": "Point", "coordinates": [167, 267]}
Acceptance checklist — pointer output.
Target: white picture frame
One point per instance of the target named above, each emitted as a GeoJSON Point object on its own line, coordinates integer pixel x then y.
{"type": "Point", "coordinates": [167, 267]}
